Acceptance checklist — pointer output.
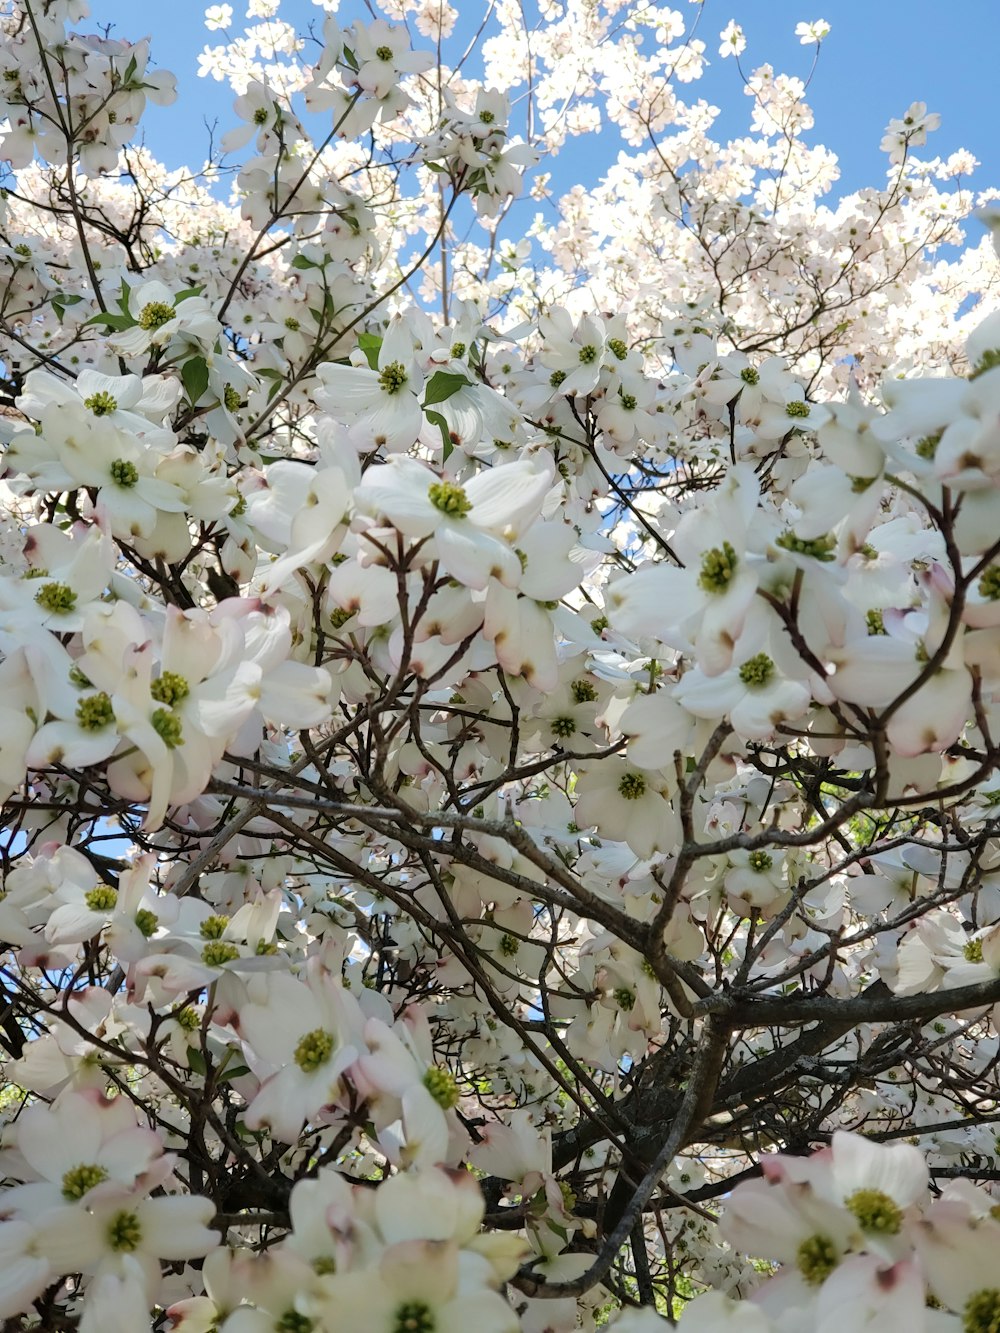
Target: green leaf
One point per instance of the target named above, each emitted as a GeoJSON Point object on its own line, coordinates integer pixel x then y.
{"type": "Point", "coordinates": [188, 291]}
{"type": "Point", "coordinates": [197, 1061]}
{"type": "Point", "coordinates": [436, 419]}
{"type": "Point", "coordinates": [61, 301]}
{"type": "Point", "coordinates": [300, 261]}
{"type": "Point", "coordinates": [442, 385]}
{"type": "Point", "coordinates": [235, 1071]}
{"type": "Point", "coordinates": [194, 375]}
{"type": "Point", "coordinates": [371, 345]}
{"type": "Point", "coordinates": [112, 321]}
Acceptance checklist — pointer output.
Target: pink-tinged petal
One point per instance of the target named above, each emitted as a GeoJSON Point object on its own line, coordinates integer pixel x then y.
{"type": "Point", "coordinates": [958, 1251]}
{"type": "Point", "coordinates": [933, 718]}
{"type": "Point", "coordinates": [867, 1296]}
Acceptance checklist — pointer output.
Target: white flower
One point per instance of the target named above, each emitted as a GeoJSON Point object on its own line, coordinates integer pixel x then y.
{"type": "Point", "coordinates": [812, 32]}
{"type": "Point", "coordinates": [300, 1037]}
{"type": "Point", "coordinates": [626, 805]}
{"type": "Point", "coordinates": [732, 39]}
{"type": "Point", "coordinates": [218, 16]}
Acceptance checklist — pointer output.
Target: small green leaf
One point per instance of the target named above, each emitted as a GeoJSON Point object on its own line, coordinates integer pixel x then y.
{"type": "Point", "coordinates": [300, 261]}
{"type": "Point", "coordinates": [371, 345]}
{"type": "Point", "coordinates": [197, 1061]}
{"type": "Point", "coordinates": [194, 375]}
{"type": "Point", "coordinates": [236, 1071]}
{"type": "Point", "coordinates": [436, 419]}
{"type": "Point", "coordinates": [442, 385]}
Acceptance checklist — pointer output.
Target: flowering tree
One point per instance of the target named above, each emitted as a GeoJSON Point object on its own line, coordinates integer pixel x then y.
{"type": "Point", "coordinates": [497, 728]}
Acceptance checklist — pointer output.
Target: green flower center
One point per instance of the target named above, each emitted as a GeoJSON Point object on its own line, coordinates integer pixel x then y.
{"type": "Point", "coordinates": [760, 861]}
{"type": "Point", "coordinates": [124, 1233]}
{"type": "Point", "coordinates": [155, 315]}
{"type": "Point", "coordinates": [628, 401]}
{"type": "Point", "coordinates": [393, 377]}
{"type": "Point", "coordinates": [982, 1312]}
{"type": "Point", "coordinates": [293, 325]}
{"type": "Point", "coordinates": [632, 786]}
{"type": "Point", "coordinates": [749, 376]}
{"type": "Point", "coordinates": [169, 688]}
{"type": "Point", "coordinates": [384, 52]}
{"type": "Point", "coordinates": [588, 354]}
{"type": "Point", "coordinates": [989, 584]}
{"type": "Point", "coordinates": [440, 1083]}
{"type": "Point", "coordinates": [260, 116]}
{"type": "Point", "coordinates": [167, 726]}
{"type": "Point", "coordinates": [449, 498]}
{"type": "Point", "coordinates": [797, 409]}
{"type": "Point", "coordinates": [487, 117]}
{"type": "Point", "coordinates": [217, 952]}
{"type": "Point", "coordinates": [458, 350]}
{"type": "Point", "coordinates": [213, 927]}
{"type": "Point", "coordinates": [563, 727]}
{"type": "Point", "coordinates": [820, 548]}
{"type": "Point", "coordinates": [876, 1212]}
{"type": "Point", "coordinates": [414, 1317]}
{"type": "Point", "coordinates": [618, 348]}
{"type": "Point", "coordinates": [875, 621]}
{"type": "Point", "coordinates": [972, 952]}
{"type": "Point", "coordinates": [757, 672]}
{"type": "Point", "coordinates": [625, 999]}
{"type": "Point", "coordinates": [927, 447]}
{"type": "Point", "coordinates": [102, 899]}
{"type": "Point", "coordinates": [101, 404]}
{"type": "Point", "coordinates": [599, 624]}
{"type": "Point", "coordinates": [718, 567]}
{"type": "Point", "coordinates": [314, 1050]}
{"type": "Point", "coordinates": [124, 473]}
{"type": "Point", "coordinates": [78, 1180]}
{"type": "Point", "coordinates": [583, 692]}
{"type": "Point", "coordinates": [556, 378]}
{"type": "Point", "coordinates": [509, 945]}
{"type": "Point", "coordinates": [59, 598]}
{"type": "Point", "coordinates": [816, 1259]}
{"type": "Point", "coordinates": [146, 922]}
{"type": "Point", "coordinates": [95, 712]}
{"type": "Point", "coordinates": [231, 398]}
{"type": "Point", "coordinates": [187, 1018]}
{"type": "Point", "coordinates": [293, 1322]}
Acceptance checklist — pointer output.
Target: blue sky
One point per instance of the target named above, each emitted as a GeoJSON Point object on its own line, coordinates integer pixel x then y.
{"type": "Point", "coordinates": [880, 56]}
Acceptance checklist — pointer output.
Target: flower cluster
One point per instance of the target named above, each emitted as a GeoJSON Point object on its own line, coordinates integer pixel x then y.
{"type": "Point", "coordinates": [498, 715]}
